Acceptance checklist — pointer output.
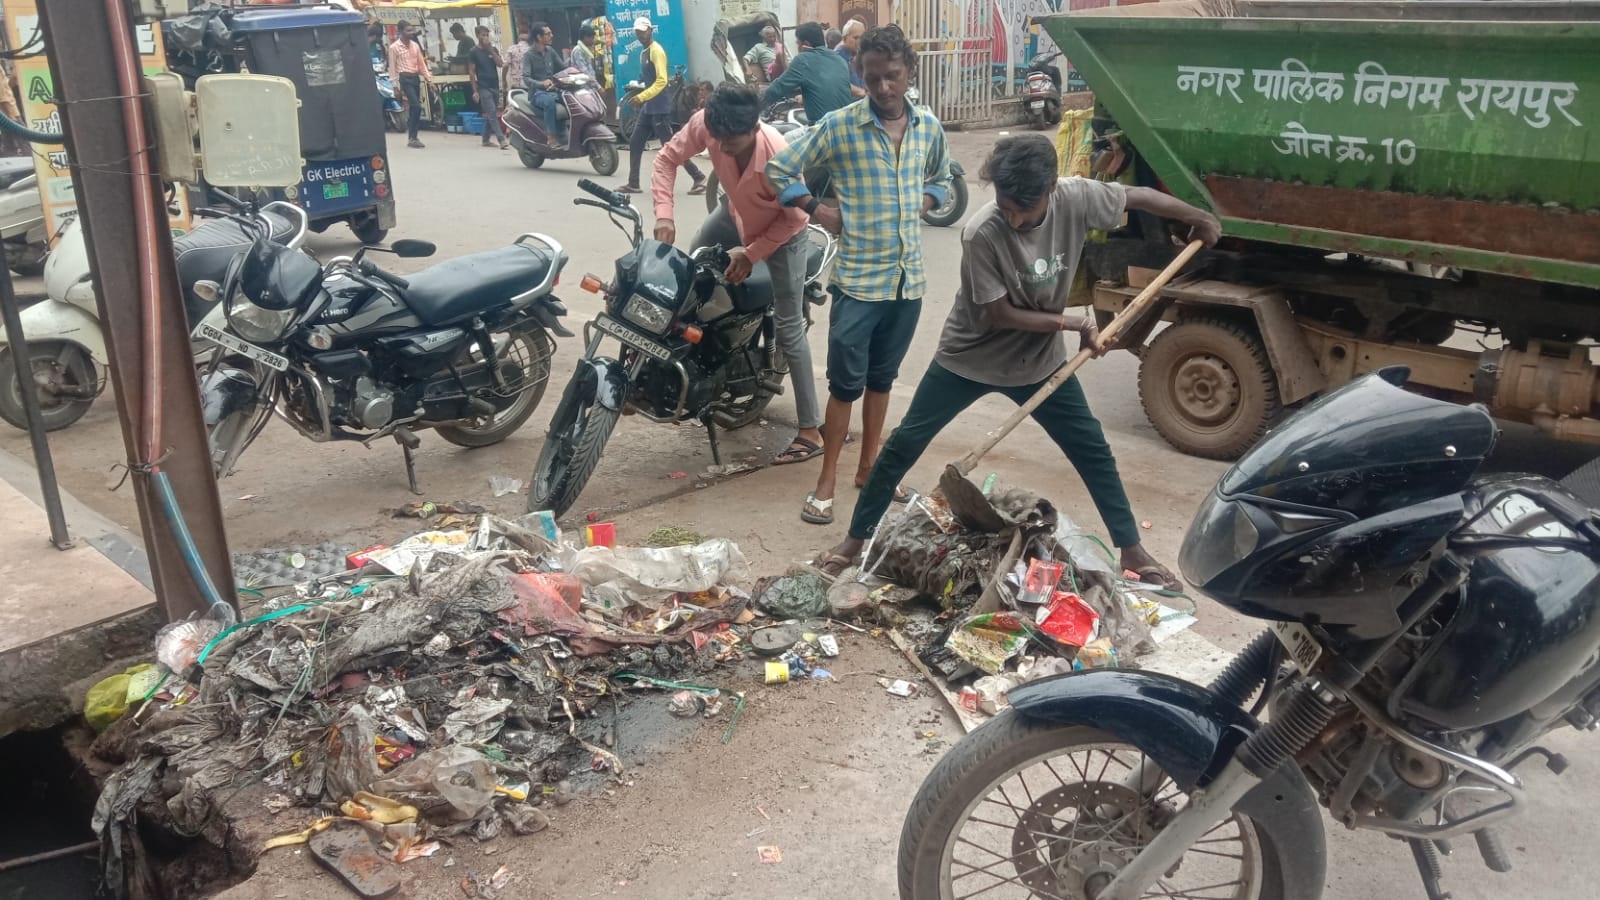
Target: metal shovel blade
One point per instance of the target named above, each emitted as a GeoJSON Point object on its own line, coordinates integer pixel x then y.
{"type": "Point", "coordinates": [967, 502]}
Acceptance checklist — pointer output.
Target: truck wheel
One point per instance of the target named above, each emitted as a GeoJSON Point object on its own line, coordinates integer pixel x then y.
{"type": "Point", "coordinates": [1208, 387]}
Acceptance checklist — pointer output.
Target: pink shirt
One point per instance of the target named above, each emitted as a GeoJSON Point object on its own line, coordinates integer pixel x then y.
{"type": "Point", "coordinates": [764, 223]}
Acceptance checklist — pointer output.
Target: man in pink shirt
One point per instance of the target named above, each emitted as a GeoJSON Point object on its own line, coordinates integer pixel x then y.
{"type": "Point", "coordinates": [755, 226]}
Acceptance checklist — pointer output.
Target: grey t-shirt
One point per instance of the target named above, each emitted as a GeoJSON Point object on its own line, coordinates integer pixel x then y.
{"type": "Point", "coordinates": [1030, 269]}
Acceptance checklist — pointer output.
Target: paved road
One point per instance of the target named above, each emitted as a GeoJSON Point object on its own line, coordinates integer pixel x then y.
{"type": "Point", "coordinates": [841, 767]}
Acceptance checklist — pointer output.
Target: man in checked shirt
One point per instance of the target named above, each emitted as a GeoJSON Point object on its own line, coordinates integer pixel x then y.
{"type": "Point", "coordinates": [888, 163]}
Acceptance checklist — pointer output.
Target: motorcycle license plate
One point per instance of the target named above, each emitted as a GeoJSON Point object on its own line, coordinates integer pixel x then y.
{"type": "Point", "coordinates": [243, 348]}
{"type": "Point", "coordinates": [1303, 648]}
{"type": "Point", "coordinates": [632, 338]}
{"type": "Point", "coordinates": [1037, 104]}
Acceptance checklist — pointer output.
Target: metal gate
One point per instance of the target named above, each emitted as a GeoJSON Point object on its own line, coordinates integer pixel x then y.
{"type": "Point", "coordinates": [954, 40]}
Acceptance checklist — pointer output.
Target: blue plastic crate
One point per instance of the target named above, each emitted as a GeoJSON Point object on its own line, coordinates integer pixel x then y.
{"type": "Point", "coordinates": [474, 126]}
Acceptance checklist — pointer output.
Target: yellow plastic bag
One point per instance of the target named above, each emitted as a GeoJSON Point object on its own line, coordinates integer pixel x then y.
{"type": "Point", "coordinates": [1075, 142]}
{"type": "Point", "coordinates": [110, 697]}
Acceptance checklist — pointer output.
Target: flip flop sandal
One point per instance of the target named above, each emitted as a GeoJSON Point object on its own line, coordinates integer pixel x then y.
{"type": "Point", "coordinates": [699, 188]}
{"type": "Point", "coordinates": [824, 510]}
{"type": "Point", "coordinates": [829, 565]}
{"type": "Point", "coordinates": [799, 450]}
{"type": "Point", "coordinates": [1159, 575]}
{"type": "Point", "coordinates": [902, 494]}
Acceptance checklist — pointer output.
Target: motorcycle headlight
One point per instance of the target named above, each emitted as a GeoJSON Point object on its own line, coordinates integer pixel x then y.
{"type": "Point", "coordinates": [1220, 535]}
{"type": "Point", "coordinates": [647, 315]}
{"type": "Point", "coordinates": [255, 324]}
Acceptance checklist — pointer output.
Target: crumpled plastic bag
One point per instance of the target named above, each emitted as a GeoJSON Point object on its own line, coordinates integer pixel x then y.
{"type": "Point", "coordinates": [648, 573]}
{"type": "Point", "coordinates": [448, 784]}
{"type": "Point", "coordinates": [109, 698]}
{"type": "Point", "coordinates": [988, 640]}
{"type": "Point", "coordinates": [546, 604]}
{"type": "Point", "coordinates": [353, 763]}
{"type": "Point", "coordinates": [794, 597]}
{"type": "Point", "coordinates": [477, 721]}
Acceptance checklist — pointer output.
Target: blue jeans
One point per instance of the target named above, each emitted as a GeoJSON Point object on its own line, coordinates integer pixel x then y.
{"type": "Point", "coordinates": [546, 101]}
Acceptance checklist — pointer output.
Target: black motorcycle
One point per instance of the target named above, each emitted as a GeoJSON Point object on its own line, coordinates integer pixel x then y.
{"type": "Point", "coordinates": [350, 352]}
{"type": "Point", "coordinates": [1429, 627]}
{"type": "Point", "coordinates": [694, 348]}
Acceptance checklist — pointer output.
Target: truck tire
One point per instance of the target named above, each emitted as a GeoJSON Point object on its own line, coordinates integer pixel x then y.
{"type": "Point", "coordinates": [1208, 387]}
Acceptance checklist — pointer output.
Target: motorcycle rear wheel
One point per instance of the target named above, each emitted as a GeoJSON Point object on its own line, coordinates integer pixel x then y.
{"type": "Point", "coordinates": [66, 370]}
{"type": "Point", "coordinates": [1071, 793]}
{"type": "Point", "coordinates": [530, 352]}
{"type": "Point", "coordinates": [571, 452]}
{"type": "Point", "coordinates": [953, 208]}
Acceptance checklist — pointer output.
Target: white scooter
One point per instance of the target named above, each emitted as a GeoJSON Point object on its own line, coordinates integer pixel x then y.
{"type": "Point", "coordinates": [22, 225]}
{"type": "Point", "coordinates": [65, 341]}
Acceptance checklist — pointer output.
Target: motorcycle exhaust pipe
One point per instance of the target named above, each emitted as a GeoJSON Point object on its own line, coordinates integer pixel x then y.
{"type": "Point", "coordinates": [773, 387]}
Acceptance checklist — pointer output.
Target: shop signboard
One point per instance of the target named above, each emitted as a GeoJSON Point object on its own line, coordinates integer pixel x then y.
{"type": "Point", "coordinates": [666, 15]}
{"type": "Point", "coordinates": [38, 105]}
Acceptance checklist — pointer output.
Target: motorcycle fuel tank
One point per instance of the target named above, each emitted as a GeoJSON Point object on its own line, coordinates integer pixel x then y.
{"type": "Point", "coordinates": [1525, 627]}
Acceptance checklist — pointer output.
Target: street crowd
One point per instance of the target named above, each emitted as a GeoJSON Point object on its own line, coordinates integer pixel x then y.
{"type": "Point", "coordinates": [866, 169]}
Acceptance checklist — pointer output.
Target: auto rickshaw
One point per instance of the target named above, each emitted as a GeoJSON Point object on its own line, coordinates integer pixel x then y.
{"type": "Point", "coordinates": [324, 52]}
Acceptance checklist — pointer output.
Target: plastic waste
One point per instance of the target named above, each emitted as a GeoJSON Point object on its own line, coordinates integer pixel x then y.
{"type": "Point", "coordinates": [987, 640]}
{"type": "Point", "coordinates": [448, 784]}
{"type": "Point", "coordinates": [546, 604]}
{"type": "Point", "coordinates": [109, 698]}
{"type": "Point", "coordinates": [1084, 552]}
{"type": "Point", "coordinates": [178, 644]}
{"type": "Point", "coordinates": [794, 597]}
{"type": "Point", "coordinates": [1068, 619]}
{"type": "Point", "coordinates": [501, 485]}
{"type": "Point", "coordinates": [477, 721]}
{"type": "Point", "coordinates": [645, 573]}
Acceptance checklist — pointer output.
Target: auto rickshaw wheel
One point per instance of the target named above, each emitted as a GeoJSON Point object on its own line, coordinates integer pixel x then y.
{"type": "Point", "coordinates": [367, 230]}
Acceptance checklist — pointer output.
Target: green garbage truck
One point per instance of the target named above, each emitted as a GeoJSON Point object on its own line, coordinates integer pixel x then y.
{"type": "Point", "coordinates": [1400, 183]}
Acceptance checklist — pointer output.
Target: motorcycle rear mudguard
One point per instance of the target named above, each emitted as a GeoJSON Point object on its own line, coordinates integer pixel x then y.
{"type": "Point", "coordinates": [54, 320]}
{"type": "Point", "coordinates": [1191, 734]}
{"type": "Point", "coordinates": [956, 170]}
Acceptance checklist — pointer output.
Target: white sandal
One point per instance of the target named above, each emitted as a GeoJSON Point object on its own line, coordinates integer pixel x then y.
{"type": "Point", "coordinates": [824, 510]}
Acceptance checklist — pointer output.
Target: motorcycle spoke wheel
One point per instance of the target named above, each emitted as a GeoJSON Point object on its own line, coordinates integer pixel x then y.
{"type": "Point", "coordinates": [1059, 820]}
{"type": "Point", "coordinates": [525, 362]}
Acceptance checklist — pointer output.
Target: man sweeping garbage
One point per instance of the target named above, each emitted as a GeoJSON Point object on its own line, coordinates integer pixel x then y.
{"type": "Point", "coordinates": [1004, 333]}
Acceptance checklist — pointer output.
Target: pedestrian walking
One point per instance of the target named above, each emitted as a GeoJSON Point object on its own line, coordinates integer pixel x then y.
{"type": "Point", "coordinates": [1005, 333]}
{"type": "Point", "coordinates": [655, 108]}
{"type": "Point", "coordinates": [483, 66]}
{"type": "Point", "coordinates": [889, 163]}
{"type": "Point", "coordinates": [408, 68]}
{"type": "Point", "coordinates": [754, 226]}
{"type": "Point", "coordinates": [514, 59]}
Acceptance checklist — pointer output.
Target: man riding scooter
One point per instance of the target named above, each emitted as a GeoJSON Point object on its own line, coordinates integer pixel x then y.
{"type": "Point", "coordinates": [559, 113]}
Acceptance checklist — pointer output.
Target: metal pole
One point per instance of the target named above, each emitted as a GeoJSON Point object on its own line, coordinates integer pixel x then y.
{"type": "Point", "coordinates": [81, 50]}
{"type": "Point", "coordinates": [48, 489]}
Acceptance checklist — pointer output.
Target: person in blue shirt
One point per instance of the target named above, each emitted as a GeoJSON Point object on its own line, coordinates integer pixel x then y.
{"type": "Point", "coordinates": [849, 44]}
{"type": "Point", "coordinates": [817, 74]}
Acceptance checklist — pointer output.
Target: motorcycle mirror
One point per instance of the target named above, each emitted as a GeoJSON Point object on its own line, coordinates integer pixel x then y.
{"type": "Point", "coordinates": [410, 249]}
{"type": "Point", "coordinates": [208, 291]}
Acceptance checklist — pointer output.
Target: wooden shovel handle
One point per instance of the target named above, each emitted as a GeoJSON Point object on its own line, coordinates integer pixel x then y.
{"type": "Point", "coordinates": [1129, 314]}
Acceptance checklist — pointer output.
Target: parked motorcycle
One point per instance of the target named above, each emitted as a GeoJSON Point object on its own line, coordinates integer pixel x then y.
{"type": "Point", "coordinates": [1428, 627]}
{"type": "Point", "coordinates": [65, 341]}
{"type": "Point", "coordinates": [350, 352]}
{"type": "Point", "coordinates": [394, 111]}
{"type": "Point", "coordinates": [1041, 93]}
{"type": "Point", "coordinates": [790, 120]}
{"type": "Point", "coordinates": [693, 348]}
{"type": "Point", "coordinates": [22, 223]}
{"type": "Point", "coordinates": [584, 111]}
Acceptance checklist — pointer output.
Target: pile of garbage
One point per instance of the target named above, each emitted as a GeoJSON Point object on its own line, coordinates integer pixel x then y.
{"type": "Point", "coordinates": [1035, 598]}
{"type": "Point", "coordinates": [445, 687]}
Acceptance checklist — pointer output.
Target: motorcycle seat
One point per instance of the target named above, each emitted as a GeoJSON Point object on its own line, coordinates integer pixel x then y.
{"type": "Point", "coordinates": [468, 285]}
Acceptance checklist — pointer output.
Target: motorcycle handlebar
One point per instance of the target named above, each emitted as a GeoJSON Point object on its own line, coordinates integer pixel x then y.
{"type": "Point", "coordinates": [390, 278]}
{"type": "Point", "coordinates": [611, 198]}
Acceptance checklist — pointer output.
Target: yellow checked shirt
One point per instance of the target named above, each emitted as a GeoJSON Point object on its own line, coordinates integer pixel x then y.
{"type": "Point", "coordinates": [880, 194]}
